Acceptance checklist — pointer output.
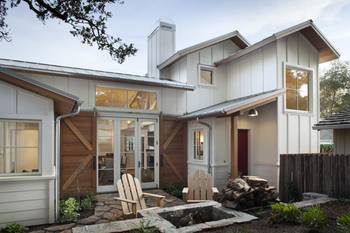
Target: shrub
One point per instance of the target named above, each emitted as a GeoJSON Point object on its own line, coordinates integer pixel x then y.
{"type": "Point", "coordinates": [69, 210]}
{"type": "Point", "coordinates": [14, 228]}
{"type": "Point", "coordinates": [146, 228]}
{"type": "Point", "coordinates": [287, 213]}
{"type": "Point", "coordinates": [343, 223]}
{"type": "Point", "coordinates": [88, 201]}
{"type": "Point", "coordinates": [315, 218]}
{"type": "Point", "coordinates": [175, 190]}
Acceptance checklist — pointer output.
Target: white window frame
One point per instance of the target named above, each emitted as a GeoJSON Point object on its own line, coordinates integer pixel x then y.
{"type": "Point", "coordinates": [128, 110]}
{"type": "Point", "coordinates": [209, 68]}
{"type": "Point", "coordinates": [39, 173]}
{"type": "Point", "coordinates": [311, 89]}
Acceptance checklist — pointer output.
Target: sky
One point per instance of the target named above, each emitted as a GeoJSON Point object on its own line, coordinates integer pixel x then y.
{"type": "Point", "coordinates": [196, 21]}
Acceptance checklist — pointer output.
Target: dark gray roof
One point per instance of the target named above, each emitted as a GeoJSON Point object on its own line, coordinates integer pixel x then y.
{"type": "Point", "coordinates": [234, 105]}
{"type": "Point", "coordinates": [75, 72]}
{"type": "Point", "coordinates": [340, 120]}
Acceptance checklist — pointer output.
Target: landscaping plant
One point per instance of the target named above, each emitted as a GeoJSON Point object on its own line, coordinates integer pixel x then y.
{"type": "Point", "coordinates": [69, 210]}
{"type": "Point", "coordinates": [14, 228]}
{"type": "Point", "coordinates": [285, 213]}
{"type": "Point", "coordinates": [343, 223]}
{"type": "Point", "coordinates": [175, 190]}
{"type": "Point", "coordinates": [146, 228]}
{"type": "Point", "coordinates": [88, 201]}
{"type": "Point", "coordinates": [315, 219]}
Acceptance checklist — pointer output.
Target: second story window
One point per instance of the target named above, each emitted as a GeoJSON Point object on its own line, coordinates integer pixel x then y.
{"type": "Point", "coordinates": [297, 85]}
{"type": "Point", "coordinates": [206, 75]}
{"type": "Point", "coordinates": [126, 98]}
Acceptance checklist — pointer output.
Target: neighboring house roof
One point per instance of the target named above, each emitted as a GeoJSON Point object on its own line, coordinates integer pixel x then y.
{"type": "Point", "coordinates": [340, 120]}
{"type": "Point", "coordinates": [235, 105]}
{"type": "Point", "coordinates": [235, 36]}
{"type": "Point", "coordinates": [308, 29]}
{"type": "Point", "coordinates": [63, 101]}
{"type": "Point", "coordinates": [92, 74]}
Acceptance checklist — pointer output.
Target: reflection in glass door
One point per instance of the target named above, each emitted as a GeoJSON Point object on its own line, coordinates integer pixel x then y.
{"type": "Point", "coordinates": [147, 151]}
{"type": "Point", "coordinates": [105, 155]}
{"type": "Point", "coordinates": [127, 147]}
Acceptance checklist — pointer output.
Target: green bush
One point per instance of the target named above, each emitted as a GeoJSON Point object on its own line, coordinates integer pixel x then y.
{"type": "Point", "coordinates": [343, 223]}
{"type": "Point", "coordinates": [175, 190]}
{"type": "Point", "coordinates": [69, 210]}
{"type": "Point", "coordinates": [14, 228]}
{"type": "Point", "coordinates": [285, 213]}
{"type": "Point", "coordinates": [326, 148]}
{"type": "Point", "coordinates": [88, 201]}
{"type": "Point", "coordinates": [315, 218]}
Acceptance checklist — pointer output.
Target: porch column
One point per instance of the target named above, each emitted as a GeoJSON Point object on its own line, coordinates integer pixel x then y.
{"type": "Point", "coordinates": [234, 146]}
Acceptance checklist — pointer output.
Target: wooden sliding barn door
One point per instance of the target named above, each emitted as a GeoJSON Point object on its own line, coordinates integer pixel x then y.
{"type": "Point", "coordinates": [172, 152]}
{"type": "Point", "coordinates": [78, 155]}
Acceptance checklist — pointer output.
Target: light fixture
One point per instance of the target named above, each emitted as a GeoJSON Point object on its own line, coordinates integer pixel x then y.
{"type": "Point", "coordinates": [253, 112]}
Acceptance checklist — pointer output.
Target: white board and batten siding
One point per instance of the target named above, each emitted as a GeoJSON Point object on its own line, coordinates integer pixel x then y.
{"type": "Point", "coordinates": [295, 133]}
{"type": "Point", "coordinates": [29, 200]}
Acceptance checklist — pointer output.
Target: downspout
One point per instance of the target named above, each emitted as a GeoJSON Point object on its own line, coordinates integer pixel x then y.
{"type": "Point", "coordinates": [209, 143]}
{"type": "Point", "coordinates": [75, 112]}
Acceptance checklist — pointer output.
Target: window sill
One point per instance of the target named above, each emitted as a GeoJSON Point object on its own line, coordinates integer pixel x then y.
{"type": "Point", "coordinates": [297, 112]}
{"type": "Point", "coordinates": [26, 178]}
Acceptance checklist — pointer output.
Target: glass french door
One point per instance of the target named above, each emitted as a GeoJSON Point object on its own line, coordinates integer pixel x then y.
{"type": "Point", "coordinates": [126, 145]}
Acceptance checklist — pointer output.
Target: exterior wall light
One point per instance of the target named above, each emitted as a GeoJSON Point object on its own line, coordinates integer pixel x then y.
{"type": "Point", "coordinates": [253, 112]}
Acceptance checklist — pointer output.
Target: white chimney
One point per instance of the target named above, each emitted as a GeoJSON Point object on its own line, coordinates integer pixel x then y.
{"type": "Point", "coordinates": [161, 45]}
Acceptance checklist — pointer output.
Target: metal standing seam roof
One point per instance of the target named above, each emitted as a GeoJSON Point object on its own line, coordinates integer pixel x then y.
{"type": "Point", "coordinates": [340, 120]}
{"type": "Point", "coordinates": [39, 84]}
{"type": "Point", "coordinates": [92, 74]}
{"type": "Point", "coordinates": [234, 105]}
{"type": "Point", "coordinates": [181, 53]}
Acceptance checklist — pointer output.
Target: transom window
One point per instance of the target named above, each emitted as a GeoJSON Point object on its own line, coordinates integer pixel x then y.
{"type": "Point", "coordinates": [125, 98]}
{"type": "Point", "coordinates": [206, 76]}
{"type": "Point", "coordinates": [198, 144]}
{"type": "Point", "coordinates": [19, 147]}
{"type": "Point", "coordinates": [297, 84]}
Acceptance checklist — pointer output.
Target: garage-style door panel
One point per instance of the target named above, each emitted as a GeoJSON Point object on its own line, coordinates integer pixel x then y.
{"type": "Point", "coordinates": [78, 151]}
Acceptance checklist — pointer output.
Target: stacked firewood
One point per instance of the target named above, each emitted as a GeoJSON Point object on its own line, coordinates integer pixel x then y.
{"type": "Point", "coordinates": [247, 192]}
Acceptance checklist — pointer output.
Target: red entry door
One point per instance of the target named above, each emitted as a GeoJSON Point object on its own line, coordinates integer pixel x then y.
{"type": "Point", "coordinates": [242, 151]}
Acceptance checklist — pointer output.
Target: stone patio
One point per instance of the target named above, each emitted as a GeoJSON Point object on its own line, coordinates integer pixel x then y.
{"type": "Point", "coordinates": [107, 210]}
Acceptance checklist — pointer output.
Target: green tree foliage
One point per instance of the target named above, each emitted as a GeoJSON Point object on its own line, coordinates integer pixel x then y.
{"type": "Point", "coordinates": [335, 89]}
{"type": "Point", "coordinates": [87, 19]}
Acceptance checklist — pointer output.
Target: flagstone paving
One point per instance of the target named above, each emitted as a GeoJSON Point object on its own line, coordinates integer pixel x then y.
{"type": "Point", "coordinates": [107, 210]}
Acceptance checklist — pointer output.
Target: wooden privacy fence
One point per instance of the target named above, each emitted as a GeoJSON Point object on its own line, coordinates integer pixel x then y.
{"type": "Point", "coordinates": [322, 173]}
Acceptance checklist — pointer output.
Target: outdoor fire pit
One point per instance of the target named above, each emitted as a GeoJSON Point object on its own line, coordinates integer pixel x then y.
{"type": "Point", "coordinates": [194, 217]}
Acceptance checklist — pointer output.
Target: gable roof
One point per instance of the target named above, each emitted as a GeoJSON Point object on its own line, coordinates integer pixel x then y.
{"type": "Point", "coordinates": [340, 120]}
{"type": "Point", "coordinates": [63, 101]}
{"type": "Point", "coordinates": [235, 36]}
{"type": "Point", "coordinates": [308, 29]}
{"type": "Point", "coordinates": [74, 72]}
{"type": "Point", "coordinates": [235, 105]}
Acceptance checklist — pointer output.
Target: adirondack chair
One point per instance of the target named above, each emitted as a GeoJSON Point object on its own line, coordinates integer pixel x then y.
{"type": "Point", "coordinates": [132, 197]}
{"type": "Point", "coordinates": [200, 188]}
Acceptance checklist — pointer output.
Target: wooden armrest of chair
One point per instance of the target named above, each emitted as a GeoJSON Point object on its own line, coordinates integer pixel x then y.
{"type": "Point", "coordinates": [124, 200]}
{"type": "Point", "coordinates": [133, 203]}
{"type": "Point", "coordinates": [185, 194]}
{"type": "Point", "coordinates": [160, 198]}
{"type": "Point", "coordinates": [215, 190]}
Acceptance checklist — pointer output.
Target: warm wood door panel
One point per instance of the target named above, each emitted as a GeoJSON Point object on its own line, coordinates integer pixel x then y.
{"type": "Point", "coordinates": [78, 151]}
{"type": "Point", "coordinates": [243, 151]}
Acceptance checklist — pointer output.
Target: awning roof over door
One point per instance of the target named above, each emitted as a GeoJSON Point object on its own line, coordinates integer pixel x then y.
{"type": "Point", "coordinates": [63, 101]}
{"type": "Point", "coordinates": [235, 105]}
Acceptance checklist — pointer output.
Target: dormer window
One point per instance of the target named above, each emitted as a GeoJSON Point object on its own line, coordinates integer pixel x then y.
{"type": "Point", "coordinates": [206, 75]}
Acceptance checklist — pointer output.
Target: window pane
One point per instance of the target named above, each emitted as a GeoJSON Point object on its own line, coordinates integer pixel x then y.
{"type": "Point", "coordinates": [111, 97]}
{"type": "Point", "coordinates": [152, 101]}
{"type": "Point", "coordinates": [291, 79]}
{"type": "Point", "coordinates": [198, 144]}
{"type": "Point", "coordinates": [303, 90]}
{"type": "Point", "coordinates": [206, 76]}
{"type": "Point", "coordinates": [19, 147]}
{"type": "Point", "coordinates": [292, 99]}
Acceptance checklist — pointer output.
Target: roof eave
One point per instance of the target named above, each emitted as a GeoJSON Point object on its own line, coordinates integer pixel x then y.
{"type": "Point", "coordinates": [339, 126]}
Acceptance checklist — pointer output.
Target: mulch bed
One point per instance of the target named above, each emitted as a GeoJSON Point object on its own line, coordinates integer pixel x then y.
{"type": "Point", "coordinates": [332, 209]}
